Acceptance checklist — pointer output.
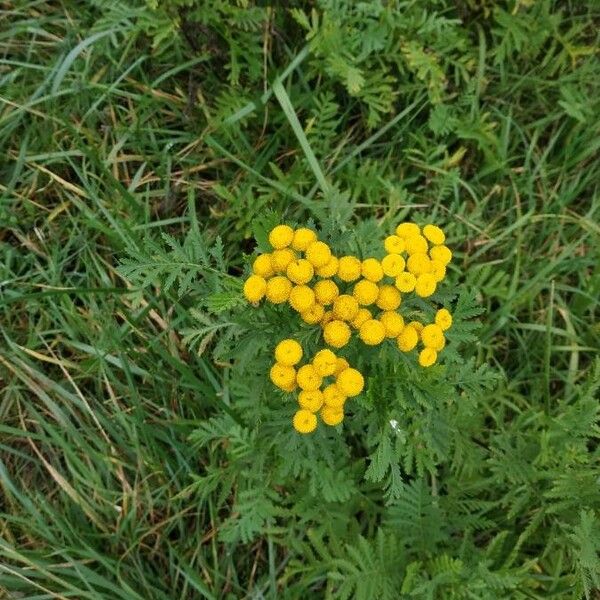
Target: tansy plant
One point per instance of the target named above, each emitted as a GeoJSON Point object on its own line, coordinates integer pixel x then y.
{"type": "Point", "coordinates": [347, 294]}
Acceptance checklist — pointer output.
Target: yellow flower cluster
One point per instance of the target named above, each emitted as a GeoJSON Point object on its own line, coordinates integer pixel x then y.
{"type": "Point", "coordinates": [325, 383]}
{"type": "Point", "coordinates": [342, 294]}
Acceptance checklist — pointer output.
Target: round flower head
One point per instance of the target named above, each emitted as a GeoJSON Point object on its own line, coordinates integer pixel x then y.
{"type": "Point", "coordinates": [324, 362]}
{"type": "Point", "coordinates": [300, 271]}
{"type": "Point", "coordinates": [427, 357]}
{"type": "Point", "coordinates": [288, 352]}
{"type": "Point", "coordinates": [407, 339]}
{"type": "Point", "coordinates": [318, 254]}
{"type": "Point", "coordinates": [405, 230]}
{"type": "Point", "coordinates": [372, 332]}
{"type": "Point", "coordinates": [329, 269]}
{"type": "Point", "coordinates": [333, 396]}
{"type": "Point", "coordinates": [349, 268]}
{"type": "Point", "coordinates": [392, 264]}
{"type": "Point", "coordinates": [351, 382]}
{"type": "Point", "coordinates": [364, 314]}
{"type": "Point", "coordinates": [438, 270]}
{"type": "Point", "coordinates": [417, 264]}
{"type": "Point", "coordinates": [406, 282]}
{"type": "Point", "coordinates": [283, 376]}
{"type": "Point", "coordinates": [433, 337]}
{"type": "Point", "coordinates": [281, 236]}
{"type": "Point", "coordinates": [304, 421]}
{"type": "Point", "coordinates": [365, 292]}
{"type": "Point", "coordinates": [345, 307]}
{"type": "Point", "coordinates": [278, 289]}
{"type": "Point", "coordinates": [301, 298]}
{"type": "Point", "coordinates": [426, 285]}
{"type": "Point", "coordinates": [441, 253]}
{"type": "Point", "coordinates": [255, 288]}
{"type": "Point", "coordinates": [389, 298]}
{"type": "Point", "coordinates": [417, 326]}
{"type": "Point", "coordinates": [326, 318]}
{"type": "Point", "coordinates": [332, 416]}
{"type": "Point", "coordinates": [371, 270]}
{"type": "Point", "coordinates": [326, 291]}
{"type": "Point", "coordinates": [443, 319]}
{"type": "Point", "coordinates": [302, 238]}
{"type": "Point", "coordinates": [336, 334]}
{"type": "Point", "coordinates": [340, 365]}
{"type": "Point", "coordinates": [312, 400]}
{"type": "Point", "coordinates": [416, 244]}
{"type": "Point", "coordinates": [314, 314]}
{"type": "Point", "coordinates": [308, 379]}
{"type": "Point", "coordinates": [393, 244]}
{"type": "Point", "coordinates": [434, 234]}
{"type": "Point", "coordinates": [280, 259]}
{"type": "Point", "coordinates": [262, 266]}
{"type": "Point", "coordinates": [392, 322]}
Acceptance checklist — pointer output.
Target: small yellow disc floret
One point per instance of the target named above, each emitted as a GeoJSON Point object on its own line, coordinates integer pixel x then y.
{"type": "Point", "coordinates": [372, 332]}
{"type": "Point", "coordinates": [281, 236]}
{"type": "Point", "coordinates": [389, 298]}
{"type": "Point", "coordinates": [427, 357]}
{"type": "Point", "coordinates": [327, 318]}
{"type": "Point", "coordinates": [406, 282]}
{"type": "Point", "coordinates": [371, 270]}
{"type": "Point", "coordinates": [262, 266]}
{"type": "Point", "coordinates": [340, 364]}
{"type": "Point", "coordinates": [280, 259]}
{"type": "Point", "coordinates": [407, 339]}
{"type": "Point", "coordinates": [302, 238]}
{"type": "Point", "coordinates": [351, 382]}
{"type": "Point", "coordinates": [255, 288]}
{"type": "Point", "coordinates": [301, 298]}
{"type": "Point", "coordinates": [349, 268]}
{"type": "Point", "coordinates": [333, 396]}
{"type": "Point", "coordinates": [329, 269]}
{"type": "Point", "coordinates": [441, 253]}
{"type": "Point", "coordinates": [324, 362]}
{"type": "Point", "coordinates": [312, 400]}
{"type": "Point", "coordinates": [332, 416]}
{"type": "Point", "coordinates": [336, 333]}
{"type": "Point", "coordinates": [434, 234]}
{"type": "Point", "coordinates": [364, 314]}
{"type": "Point", "coordinates": [393, 265]}
{"type": "Point", "coordinates": [288, 352]}
{"type": "Point", "coordinates": [405, 230]}
{"type": "Point", "coordinates": [300, 271]}
{"type": "Point", "coordinates": [345, 307]}
{"type": "Point", "coordinates": [308, 379]}
{"type": "Point", "coordinates": [438, 270]}
{"type": "Point", "coordinates": [443, 319]}
{"type": "Point", "coordinates": [417, 326]}
{"type": "Point", "coordinates": [426, 285]}
{"type": "Point", "coordinates": [433, 337]}
{"type": "Point", "coordinates": [318, 254]}
{"type": "Point", "coordinates": [365, 292]}
{"type": "Point", "coordinates": [416, 244]}
{"type": "Point", "coordinates": [304, 421]}
{"type": "Point", "coordinates": [417, 264]}
{"type": "Point", "coordinates": [314, 314]}
{"type": "Point", "coordinates": [392, 322]}
{"type": "Point", "coordinates": [283, 376]}
{"type": "Point", "coordinates": [326, 291]}
{"type": "Point", "coordinates": [394, 244]}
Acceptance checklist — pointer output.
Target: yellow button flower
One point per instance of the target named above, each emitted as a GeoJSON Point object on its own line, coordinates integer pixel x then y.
{"type": "Point", "coordinates": [336, 333]}
{"type": "Point", "coordinates": [393, 264]}
{"type": "Point", "coordinates": [332, 416]}
{"type": "Point", "coordinates": [327, 318]}
{"type": "Point", "coordinates": [433, 337]}
{"type": "Point", "coordinates": [324, 362]}
{"type": "Point", "coordinates": [314, 314]}
{"type": "Point", "coordinates": [351, 382]}
{"type": "Point", "coordinates": [427, 357]}
{"type": "Point", "coordinates": [392, 322]}
{"type": "Point", "coordinates": [329, 269]}
{"type": "Point", "coordinates": [255, 288]}
{"type": "Point", "coordinates": [283, 376]}
{"type": "Point", "coordinates": [302, 238]}
{"type": "Point", "coordinates": [349, 268]}
{"type": "Point", "coordinates": [326, 291]}
{"type": "Point", "coordinates": [417, 264]}
{"type": "Point", "coordinates": [300, 271]}
{"type": "Point", "coordinates": [340, 365]}
{"type": "Point", "coordinates": [443, 319]}
{"type": "Point", "coordinates": [441, 253]}
{"type": "Point", "coordinates": [304, 421]}
{"type": "Point", "coordinates": [288, 352]}
{"type": "Point", "coordinates": [407, 339]}
{"type": "Point", "coordinates": [365, 292]}
{"type": "Point", "coordinates": [308, 379]}
{"type": "Point", "coordinates": [371, 270]}
{"type": "Point", "coordinates": [333, 396]}
{"type": "Point", "coordinates": [280, 259]}
{"type": "Point", "coordinates": [406, 282]}
{"type": "Point", "coordinates": [278, 289]}
{"type": "Point", "coordinates": [364, 314]}
{"type": "Point", "coordinates": [301, 298]}
{"type": "Point", "coordinates": [372, 332]}
{"type": "Point", "coordinates": [405, 230]}
{"type": "Point", "coordinates": [345, 307]}
{"type": "Point", "coordinates": [394, 244]}
{"type": "Point", "coordinates": [389, 298]}
{"type": "Point", "coordinates": [434, 234]}
{"type": "Point", "coordinates": [318, 254]}
{"type": "Point", "coordinates": [312, 400]}
{"type": "Point", "coordinates": [281, 236]}
{"type": "Point", "coordinates": [416, 244]}
{"type": "Point", "coordinates": [262, 266]}
{"type": "Point", "coordinates": [426, 285]}
{"type": "Point", "coordinates": [417, 326]}
{"type": "Point", "coordinates": [438, 270]}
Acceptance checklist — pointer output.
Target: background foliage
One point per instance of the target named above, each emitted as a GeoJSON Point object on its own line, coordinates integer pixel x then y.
{"type": "Point", "coordinates": [143, 453]}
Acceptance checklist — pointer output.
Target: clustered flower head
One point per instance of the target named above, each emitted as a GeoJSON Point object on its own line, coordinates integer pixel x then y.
{"type": "Point", "coordinates": [345, 295]}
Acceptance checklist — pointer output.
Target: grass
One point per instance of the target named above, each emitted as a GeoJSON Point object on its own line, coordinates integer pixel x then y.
{"type": "Point", "coordinates": [111, 486]}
